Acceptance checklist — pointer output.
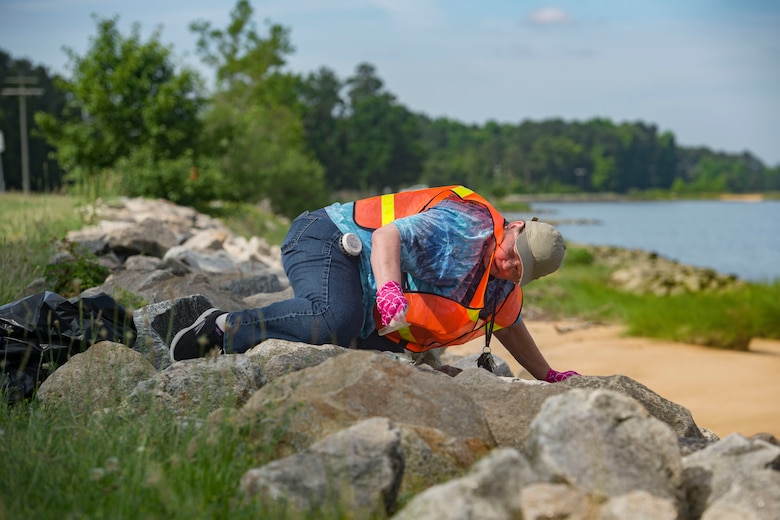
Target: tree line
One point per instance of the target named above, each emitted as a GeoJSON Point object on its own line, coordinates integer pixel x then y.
{"type": "Point", "coordinates": [129, 120]}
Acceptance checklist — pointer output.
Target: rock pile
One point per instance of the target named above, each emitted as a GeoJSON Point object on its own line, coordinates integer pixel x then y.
{"type": "Point", "coordinates": [379, 434]}
{"type": "Point", "coordinates": [638, 271]}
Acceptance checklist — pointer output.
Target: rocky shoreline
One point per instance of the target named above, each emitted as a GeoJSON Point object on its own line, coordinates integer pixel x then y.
{"type": "Point", "coordinates": [644, 272]}
{"type": "Point", "coordinates": [363, 428]}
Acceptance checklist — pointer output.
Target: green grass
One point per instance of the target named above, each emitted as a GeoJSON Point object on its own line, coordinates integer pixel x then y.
{"type": "Point", "coordinates": [29, 225]}
{"type": "Point", "coordinates": [726, 319]}
{"type": "Point", "coordinates": [59, 465]}
{"type": "Point", "coordinates": [512, 206]}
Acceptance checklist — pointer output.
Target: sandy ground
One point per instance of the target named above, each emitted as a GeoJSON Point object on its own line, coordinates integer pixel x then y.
{"type": "Point", "coordinates": [725, 391]}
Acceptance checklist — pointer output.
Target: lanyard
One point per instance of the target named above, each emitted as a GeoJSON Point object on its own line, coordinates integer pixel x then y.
{"type": "Point", "coordinates": [486, 360]}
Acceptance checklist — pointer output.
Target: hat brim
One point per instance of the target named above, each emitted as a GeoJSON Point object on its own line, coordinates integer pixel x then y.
{"type": "Point", "coordinates": [526, 258]}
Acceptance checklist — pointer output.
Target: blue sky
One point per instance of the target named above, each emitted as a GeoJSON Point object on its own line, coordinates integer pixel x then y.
{"type": "Point", "coordinates": [708, 71]}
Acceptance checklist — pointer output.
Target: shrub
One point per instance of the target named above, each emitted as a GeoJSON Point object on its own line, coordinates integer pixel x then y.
{"type": "Point", "coordinates": [80, 271]}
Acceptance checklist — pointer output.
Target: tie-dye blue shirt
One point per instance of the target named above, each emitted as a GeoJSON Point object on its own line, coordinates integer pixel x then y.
{"type": "Point", "coordinates": [442, 251]}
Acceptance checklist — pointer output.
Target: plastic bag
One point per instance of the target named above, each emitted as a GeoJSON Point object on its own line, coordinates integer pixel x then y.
{"type": "Point", "coordinates": [40, 332]}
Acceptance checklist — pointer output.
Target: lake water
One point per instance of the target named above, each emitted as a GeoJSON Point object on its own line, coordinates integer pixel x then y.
{"type": "Point", "coordinates": [741, 238]}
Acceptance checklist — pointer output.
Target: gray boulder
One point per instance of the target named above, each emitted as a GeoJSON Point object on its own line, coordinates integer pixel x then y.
{"type": "Point", "coordinates": [199, 386]}
{"type": "Point", "coordinates": [279, 357]}
{"type": "Point", "coordinates": [723, 469]}
{"type": "Point", "coordinates": [358, 469]}
{"type": "Point", "coordinates": [100, 377]}
{"type": "Point", "coordinates": [677, 417]}
{"type": "Point", "coordinates": [509, 405]}
{"type": "Point", "coordinates": [149, 237]}
{"type": "Point", "coordinates": [606, 444]}
{"type": "Point", "coordinates": [489, 490]}
{"type": "Point", "coordinates": [638, 505]}
{"type": "Point", "coordinates": [301, 408]}
{"type": "Point", "coordinates": [756, 496]}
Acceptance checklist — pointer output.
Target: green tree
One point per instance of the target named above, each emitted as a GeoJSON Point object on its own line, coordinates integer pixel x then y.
{"type": "Point", "coordinates": [604, 176]}
{"type": "Point", "coordinates": [323, 123]}
{"type": "Point", "coordinates": [555, 159]}
{"type": "Point", "coordinates": [382, 144]}
{"type": "Point", "coordinates": [253, 126]}
{"type": "Point", "coordinates": [124, 94]}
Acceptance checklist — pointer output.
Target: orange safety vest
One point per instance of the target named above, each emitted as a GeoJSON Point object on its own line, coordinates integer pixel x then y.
{"type": "Point", "coordinates": [437, 321]}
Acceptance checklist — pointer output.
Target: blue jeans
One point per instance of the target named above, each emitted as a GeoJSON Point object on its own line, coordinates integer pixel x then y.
{"type": "Point", "coordinates": [327, 304]}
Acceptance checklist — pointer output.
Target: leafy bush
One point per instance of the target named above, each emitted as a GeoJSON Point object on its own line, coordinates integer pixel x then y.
{"type": "Point", "coordinates": [182, 180]}
{"type": "Point", "coordinates": [80, 271]}
{"type": "Point", "coordinates": [261, 157]}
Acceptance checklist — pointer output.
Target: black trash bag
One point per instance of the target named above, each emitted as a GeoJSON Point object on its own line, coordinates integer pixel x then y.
{"type": "Point", "coordinates": [40, 332]}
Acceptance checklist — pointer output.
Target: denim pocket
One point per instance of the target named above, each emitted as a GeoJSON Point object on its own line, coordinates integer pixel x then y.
{"type": "Point", "coordinates": [297, 230]}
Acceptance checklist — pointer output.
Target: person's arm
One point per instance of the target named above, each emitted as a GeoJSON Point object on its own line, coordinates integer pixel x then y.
{"type": "Point", "coordinates": [386, 255]}
{"type": "Point", "coordinates": [386, 265]}
{"type": "Point", "coordinates": [519, 342]}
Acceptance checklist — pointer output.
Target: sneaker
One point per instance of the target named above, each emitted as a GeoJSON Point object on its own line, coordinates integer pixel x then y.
{"type": "Point", "coordinates": [198, 339]}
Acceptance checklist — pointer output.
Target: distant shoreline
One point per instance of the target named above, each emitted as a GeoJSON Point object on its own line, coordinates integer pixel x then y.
{"type": "Point", "coordinates": [616, 197]}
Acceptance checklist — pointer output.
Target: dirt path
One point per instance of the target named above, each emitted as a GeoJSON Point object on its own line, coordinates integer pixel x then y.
{"type": "Point", "coordinates": [725, 391]}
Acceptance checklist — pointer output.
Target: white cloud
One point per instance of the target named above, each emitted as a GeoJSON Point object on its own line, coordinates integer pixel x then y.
{"type": "Point", "coordinates": [549, 16]}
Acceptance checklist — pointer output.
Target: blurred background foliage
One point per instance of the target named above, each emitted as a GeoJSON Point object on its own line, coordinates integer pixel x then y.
{"type": "Point", "coordinates": [128, 120]}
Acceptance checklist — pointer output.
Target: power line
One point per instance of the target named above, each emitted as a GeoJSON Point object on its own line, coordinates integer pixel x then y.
{"type": "Point", "coordinates": [23, 91]}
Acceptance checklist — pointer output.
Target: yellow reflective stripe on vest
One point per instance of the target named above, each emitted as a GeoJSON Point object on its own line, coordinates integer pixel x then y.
{"type": "Point", "coordinates": [462, 191]}
{"type": "Point", "coordinates": [388, 208]}
{"type": "Point", "coordinates": [406, 335]}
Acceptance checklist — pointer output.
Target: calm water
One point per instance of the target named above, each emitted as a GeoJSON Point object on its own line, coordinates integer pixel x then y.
{"type": "Point", "coordinates": [741, 238]}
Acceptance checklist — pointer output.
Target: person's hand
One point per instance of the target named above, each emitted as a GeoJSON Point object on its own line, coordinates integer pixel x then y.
{"type": "Point", "coordinates": [391, 302]}
{"type": "Point", "coordinates": [553, 376]}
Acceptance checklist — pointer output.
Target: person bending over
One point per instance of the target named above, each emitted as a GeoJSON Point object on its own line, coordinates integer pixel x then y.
{"type": "Point", "coordinates": [412, 270]}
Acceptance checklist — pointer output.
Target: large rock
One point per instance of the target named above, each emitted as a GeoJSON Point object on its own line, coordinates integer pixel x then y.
{"type": "Point", "coordinates": [199, 386]}
{"type": "Point", "coordinates": [433, 457]}
{"type": "Point", "coordinates": [490, 490]}
{"type": "Point", "coordinates": [278, 357]}
{"type": "Point", "coordinates": [149, 237]}
{"type": "Point", "coordinates": [301, 408]}
{"type": "Point", "coordinates": [677, 417]}
{"type": "Point", "coordinates": [639, 505]}
{"type": "Point", "coordinates": [99, 377]}
{"type": "Point", "coordinates": [722, 469]}
{"type": "Point", "coordinates": [509, 404]}
{"type": "Point", "coordinates": [606, 444]}
{"type": "Point", "coordinates": [756, 496]}
{"type": "Point", "coordinates": [358, 469]}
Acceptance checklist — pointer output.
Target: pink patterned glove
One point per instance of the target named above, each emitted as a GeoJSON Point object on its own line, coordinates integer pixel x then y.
{"type": "Point", "coordinates": [391, 302]}
{"type": "Point", "coordinates": [553, 376]}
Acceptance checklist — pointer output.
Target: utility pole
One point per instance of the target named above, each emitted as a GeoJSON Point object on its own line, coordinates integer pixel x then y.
{"type": "Point", "coordinates": [2, 149]}
{"type": "Point", "coordinates": [23, 91]}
